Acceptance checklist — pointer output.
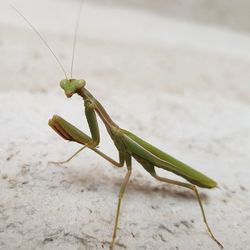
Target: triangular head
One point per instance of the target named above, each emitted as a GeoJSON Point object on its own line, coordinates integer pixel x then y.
{"type": "Point", "coordinates": [72, 86]}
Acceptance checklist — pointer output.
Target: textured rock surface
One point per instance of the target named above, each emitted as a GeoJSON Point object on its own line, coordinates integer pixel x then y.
{"type": "Point", "coordinates": [183, 87]}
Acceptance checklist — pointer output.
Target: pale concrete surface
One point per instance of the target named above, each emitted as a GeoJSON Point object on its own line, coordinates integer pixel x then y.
{"type": "Point", "coordinates": [183, 87]}
{"type": "Point", "coordinates": [232, 14]}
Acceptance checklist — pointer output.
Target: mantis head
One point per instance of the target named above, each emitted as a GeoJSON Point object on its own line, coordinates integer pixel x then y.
{"type": "Point", "coordinates": [71, 86]}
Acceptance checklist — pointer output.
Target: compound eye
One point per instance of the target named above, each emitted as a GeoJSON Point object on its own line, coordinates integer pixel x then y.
{"type": "Point", "coordinates": [63, 83]}
{"type": "Point", "coordinates": [80, 84]}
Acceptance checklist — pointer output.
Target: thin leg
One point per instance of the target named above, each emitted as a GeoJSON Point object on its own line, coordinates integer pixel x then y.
{"type": "Point", "coordinates": [70, 158]}
{"type": "Point", "coordinates": [106, 157]}
{"type": "Point", "coordinates": [122, 190]}
{"type": "Point", "coordinates": [69, 132]}
{"type": "Point", "coordinates": [192, 187]}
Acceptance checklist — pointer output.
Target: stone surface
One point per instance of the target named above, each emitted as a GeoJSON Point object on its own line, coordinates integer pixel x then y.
{"type": "Point", "coordinates": [184, 87]}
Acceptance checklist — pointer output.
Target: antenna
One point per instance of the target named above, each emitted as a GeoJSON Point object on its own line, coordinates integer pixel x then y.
{"type": "Point", "coordinates": [75, 37]}
{"type": "Point", "coordinates": [43, 40]}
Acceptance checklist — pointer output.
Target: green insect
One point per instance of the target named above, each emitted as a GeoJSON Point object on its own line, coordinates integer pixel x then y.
{"type": "Point", "coordinates": [128, 144]}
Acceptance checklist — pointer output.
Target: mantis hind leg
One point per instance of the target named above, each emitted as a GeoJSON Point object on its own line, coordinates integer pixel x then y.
{"type": "Point", "coordinates": [120, 196]}
{"type": "Point", "coordinates": [151, 169]}
{"type": "Point", "coordinates": [193, 188]}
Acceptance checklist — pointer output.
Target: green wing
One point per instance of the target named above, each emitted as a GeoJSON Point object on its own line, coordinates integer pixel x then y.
{"type": "Point", "coordinates": [163, 160]}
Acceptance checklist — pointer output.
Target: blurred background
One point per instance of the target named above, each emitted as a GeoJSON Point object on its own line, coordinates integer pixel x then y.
{"type": "Point", "coordinates": [228, 14]}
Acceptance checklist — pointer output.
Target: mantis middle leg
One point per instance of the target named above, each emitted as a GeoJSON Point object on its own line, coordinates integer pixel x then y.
{"type": "Point", "coordinates": [120, 196]}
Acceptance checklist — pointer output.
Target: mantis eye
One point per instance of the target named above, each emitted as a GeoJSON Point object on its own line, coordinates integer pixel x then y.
{"type": "Point", "coordinates": [63, 83]}
{"type": "Point", "coordinates": [81, 83]}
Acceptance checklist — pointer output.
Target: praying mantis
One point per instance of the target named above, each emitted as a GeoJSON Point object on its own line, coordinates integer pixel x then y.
{"type": "Point", "coordinates": [127, 144]}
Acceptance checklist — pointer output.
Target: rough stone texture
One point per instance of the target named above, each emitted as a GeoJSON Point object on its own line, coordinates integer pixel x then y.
{"type": "Point", "coordinates": [185, 88]}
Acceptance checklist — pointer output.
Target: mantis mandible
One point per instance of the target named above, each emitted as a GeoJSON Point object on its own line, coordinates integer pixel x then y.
{"type": "Point", "coordinates": [128, 144]}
